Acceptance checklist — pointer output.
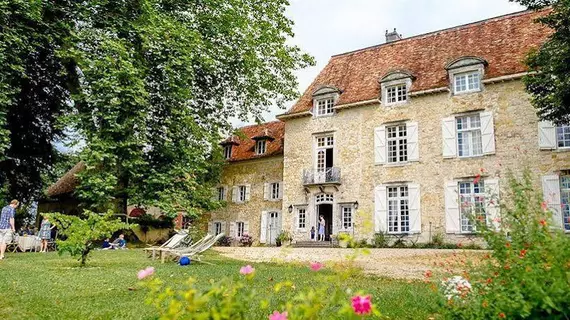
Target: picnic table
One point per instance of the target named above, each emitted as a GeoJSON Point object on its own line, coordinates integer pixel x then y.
{"type": "Point", "coordinates": [26, 243]}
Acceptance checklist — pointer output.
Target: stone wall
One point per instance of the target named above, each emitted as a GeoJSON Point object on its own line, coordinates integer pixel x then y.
{"type": "Point", "coordinates": [256, 173]}
{"type": "Point", "coordinates": [516, 139]}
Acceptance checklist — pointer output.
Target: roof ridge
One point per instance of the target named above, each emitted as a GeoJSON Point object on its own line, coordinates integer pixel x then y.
{"type": "Point", "coordinates": [431, 33]}
{"type": "Point", "coordinates": [260, 124]}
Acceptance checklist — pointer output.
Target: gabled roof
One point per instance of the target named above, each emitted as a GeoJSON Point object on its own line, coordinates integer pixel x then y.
{"type": "Point", "coordinates": [67, 183]}
{"type": "Point", "coordinates": [503, 42]}
{"type": "Point", "coordinates": [243, 142]}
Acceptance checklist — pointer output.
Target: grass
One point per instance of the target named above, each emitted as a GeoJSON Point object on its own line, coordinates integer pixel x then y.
{"type": "Point", "coordinates": [48, 286]}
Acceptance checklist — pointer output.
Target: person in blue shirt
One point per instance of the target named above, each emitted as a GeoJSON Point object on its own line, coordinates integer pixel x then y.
{"type": "Point", "coordinates": [106, 244]}
{"type": "Point", "coordinates": [120, 242]}
{"type": "Point", "coordinates": [7, 225]}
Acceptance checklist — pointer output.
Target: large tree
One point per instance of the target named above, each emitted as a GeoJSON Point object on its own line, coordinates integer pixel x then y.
{"type": "Point", "coordinates": [159, 81]}
{"type": "Point", "coordinates": [34, 91]}
{"type": "Point", "coordinates": [550, 85]}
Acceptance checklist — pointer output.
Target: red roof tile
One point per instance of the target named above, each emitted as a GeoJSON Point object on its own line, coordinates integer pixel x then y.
{"type": "Point", "coordinates": [502, 41]}
{"type": "Point", "coordinates": [245, 148]}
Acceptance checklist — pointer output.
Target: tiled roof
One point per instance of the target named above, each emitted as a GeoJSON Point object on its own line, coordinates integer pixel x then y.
{"type": "Point", "coordinates": [67, 183]}
{"type": "Point", "coordinates": [244, 141]}
{"type": "Point", "coordinates": [502, 41]}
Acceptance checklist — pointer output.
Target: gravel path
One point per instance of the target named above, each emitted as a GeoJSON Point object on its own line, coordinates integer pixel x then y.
{"type": "Point", "coordinates": [394, 263]}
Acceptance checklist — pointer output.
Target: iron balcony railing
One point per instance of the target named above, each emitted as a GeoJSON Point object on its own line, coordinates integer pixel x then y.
{"type": "Point", "coordinates": [321, 176]}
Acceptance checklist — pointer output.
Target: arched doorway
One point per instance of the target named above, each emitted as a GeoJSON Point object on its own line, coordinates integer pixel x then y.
{"type": "Point", "coordinates": [324, 206]}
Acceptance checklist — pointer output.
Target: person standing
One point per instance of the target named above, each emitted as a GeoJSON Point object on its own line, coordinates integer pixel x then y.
{"type": "Point", "coordinates": [7, 225]}
{"type": "Point", "coordinates": [322, 229]}
{"type": "Point", "coordinates": [45, 233]}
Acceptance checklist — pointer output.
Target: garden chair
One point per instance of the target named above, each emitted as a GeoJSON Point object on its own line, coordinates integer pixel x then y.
{"type": "Point", "coordinates": [195, 252]}
{"type": "Point", "coordinates": [51, 245]}
{"type": "Point", "coordinates": [163, 252]}
{"type": "Point", "coordinates": [13, 246]}
{"type": "Point", "coordinates": [171, 243]}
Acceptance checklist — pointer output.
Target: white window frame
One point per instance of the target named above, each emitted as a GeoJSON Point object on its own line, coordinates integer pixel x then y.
{"type": "Point", "coordinates": [321, 143]}
{"type": "Point", "coordinates": [242, 191]}
{"type": "Point", "coordinates": [302, 219]}
{"type": "Point", "coordinates": [470, 86]}
{"type": "Point", "coordinates": [471, 133]}
{"type": "Point", "coordinates": [274, 191]}
{"type": "Point", "coordinates": [222, 193]}
{"type": "Point", "coordinates": [400, 143]}
{"type": "Point", "coordinates": [217, 226]}
{"type": "Point", "coordinates": [324, 106]}
{"type": "Point", "coordinates": [472, 202]}
{"type": "Point", "coordinates": [396, 94]}
{"type": "Point", "coordinates": [260, 146]}
{"type": "Point", "coordinates": [565, 131]}
{"type": "Point", "coordinates": [401, 208]}
{"type": "Point", "coordinates": [346, 217]}
{"type": "Point", "coordinates": [228, 151]}
{"type": "Point", "coordinates": [402, 96]}
{"type": "Point", "coordinates": [565, 201]}
{"type": "Point", "coordinates": [240, 229]}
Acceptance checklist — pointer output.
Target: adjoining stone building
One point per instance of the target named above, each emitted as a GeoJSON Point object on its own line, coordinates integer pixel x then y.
{"type": "Point", "coordinates": [411, 138]}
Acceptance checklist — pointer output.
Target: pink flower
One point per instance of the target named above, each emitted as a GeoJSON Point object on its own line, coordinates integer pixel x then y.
{"type": "Point", "coordinates": [497, 220]}
{"type": "Point", "coordinates": [361, 304]}
{"type": "Point", "coordinates": [544, 206]}
{"type": "Point", "coordinates": [278, 316]}
{"type": "Point", "coordinates": [316, 266]}
{"type": "Point", "coordinates": [247, 270]}
{"type": "Point", "coordinates": [145, 273]}
{"type": "Point", "coordinates": [477, 178]}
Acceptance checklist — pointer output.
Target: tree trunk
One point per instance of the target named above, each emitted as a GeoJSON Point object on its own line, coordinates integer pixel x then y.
{"type": "Point", "coordinates": [84, 255]}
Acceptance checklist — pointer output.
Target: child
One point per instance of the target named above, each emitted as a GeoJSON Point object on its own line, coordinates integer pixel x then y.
{"type": "Point", "coordinates": [313, 233]}
{"type": "Point", "coordinates": [106, 244]}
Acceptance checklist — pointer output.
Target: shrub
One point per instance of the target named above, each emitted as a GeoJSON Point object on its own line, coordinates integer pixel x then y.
{"type": "Point", "coordinates": [246, 240]}
{"type": "Point", "coordinates": [437, 239]}
{"type": "Point", "coordinates": [526, 275]}
{"type": "Point", "coordinates": [380, 240]}
{"type": "Point", "coordinates": [283, 236]}
{"type": "Point", "coordinates": [225, 241]}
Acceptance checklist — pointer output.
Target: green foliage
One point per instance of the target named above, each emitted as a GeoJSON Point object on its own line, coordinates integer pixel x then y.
{"type": "Point", "coordinates": [526, 276]}
{"type": "Point", "coordinates": [283, 236]}
{"type": "Point", "coordinates": [550, 86]}
{"type": "Point", "coordinates": [147, 221]}
{"type": "Point", "coordinates": [437, 239]}
{"type": "Point", "coordinates": [380, 240]}
{"type": "Point", "coordinates": [80, 234]}
{"type": "Point", "coordinates": [225, 241]}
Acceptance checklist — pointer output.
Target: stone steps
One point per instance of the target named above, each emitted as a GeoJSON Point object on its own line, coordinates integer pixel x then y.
{"type": "Point", "coordinates": [312, 244]}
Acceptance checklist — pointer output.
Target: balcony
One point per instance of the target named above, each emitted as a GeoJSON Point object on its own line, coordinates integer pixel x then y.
{"type": "Point", "coordinates": [328, 176]}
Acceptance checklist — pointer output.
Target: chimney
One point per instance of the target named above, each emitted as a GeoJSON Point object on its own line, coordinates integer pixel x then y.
{"type": "Point", "coordinates": [393, 36]}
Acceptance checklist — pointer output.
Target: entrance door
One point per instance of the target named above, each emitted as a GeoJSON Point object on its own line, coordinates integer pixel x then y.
{"type": "Point", "coordinates": [273, 226]}
{"type": "Point", "coordinates": [326, 211]}
{"type": "Point", "coordinates": [325, 161]}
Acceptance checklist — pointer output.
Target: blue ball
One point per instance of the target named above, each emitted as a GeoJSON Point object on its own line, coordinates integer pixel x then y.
{"type": "Point", "coordinates": [184, 261]}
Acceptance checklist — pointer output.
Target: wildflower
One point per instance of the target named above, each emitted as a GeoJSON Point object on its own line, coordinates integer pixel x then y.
{"type": "Point", "coordinates": [247, 270]}
{"type": "Point", "coordinates": [361, 304]}
{"type": "Point", "coordinates": [507, 267]}
{"type": "Point", "coordinates": [145, 273]}
{"type": "Point", "coordinates": [508, 245]}
{"type": "Point", "coordinates": [316, 266]}
{"type": "Point", "coordinates": [428, 274]}
{"type": "Point", "coordinates": [502, 315]}
{"type": "Point", "coordinates": [544, 206]}
{"type": "Point", "coordinates": [477, 178]}
{"type": "Point", "coordinates": [278, 316]}
{"type": "Point", "coordinates": [522, 253]}
{"type": "Point", "coordinates": [543, 222]}
{"type": "Point", "coordinates": [489, 280]}
{"type": "Point", "coordinates": [485, 304]}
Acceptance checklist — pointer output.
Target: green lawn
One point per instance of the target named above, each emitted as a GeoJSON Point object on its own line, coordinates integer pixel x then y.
{"type": "Point", "coordinates": [48, 286]}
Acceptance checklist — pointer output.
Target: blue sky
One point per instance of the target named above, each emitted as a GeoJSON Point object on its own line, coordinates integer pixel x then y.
{"type": "Point", "coordinates": [327, 27]}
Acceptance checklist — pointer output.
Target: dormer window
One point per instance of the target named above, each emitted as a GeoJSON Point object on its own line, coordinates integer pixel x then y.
{"type": "Point", "coordinates": [325, 107]}
{"type": "Point", "coordinates": [465, 74]}
{"type": "Point", "coordinates": [260, 146]}
{"type": "Point", "coordinates": [324, 100]}
{"type": "Point", "coordinates": [228, 151]}
{"type": "Point", "coordinates": [395, 86]}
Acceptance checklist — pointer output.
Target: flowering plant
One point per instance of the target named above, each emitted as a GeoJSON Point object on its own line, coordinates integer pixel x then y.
{"type": "Point", "coordinates": [246, 240]}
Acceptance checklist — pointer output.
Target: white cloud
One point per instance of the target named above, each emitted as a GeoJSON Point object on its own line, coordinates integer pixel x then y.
{"type": "Point", "coordinates": [327, 27]}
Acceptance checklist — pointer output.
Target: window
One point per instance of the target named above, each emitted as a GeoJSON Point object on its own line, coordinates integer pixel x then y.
{"type": "Point", "coordinates": [565, 198]}
{"type": "Point", "coordinates": [563, 136]}
{"type": "Point", "coordinates": [228, 151]}
{"type": "Point", "coordinates": [469, 136]}
{"type": "Point", "coordinates": [260, 147]}
{"type": "Point", "coordinates": [325, 153]}
{"type": "Point", "coordinates": [397, 139]}
{"type": "Point", "coordinates": [274, 191]}
{"type": "Point", "coordinates": [221, 193]}
{"type": "Point", "coordinates": [240, 229]}
{"type": "Point", "coordinates": [217, 228]}
{"type": "Point", "coordinates": [398, 210]}
{"type": "Point", "coordinates": [324, 197]}
{"type": "Point", "coordinates": [471, 204]}
{"type": "Point", "coordinates": [347, 217]}
{"type": "Point", "coordinates": [242, 193]}
{"type": "Point", "coordinates": [302, 218]}
{"type": "Point", "coordinates": [396, 94]}
{"type": "Point", "coordinates": [325, 107]}
{"type": "Point", "coordinates": [323, 142]}
{"type": "Point", "coordinates": [467, 82]}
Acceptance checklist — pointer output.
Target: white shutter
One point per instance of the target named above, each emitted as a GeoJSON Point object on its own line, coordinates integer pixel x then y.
{"type": "Point", "coordinates": [210, 227]}
{"type": "Point", "coordinates": [246, 227]}
{"type": "Point", "coordinates": [247, 191]}
{"type": "Point", "coordinates": [233, 232]}
{"type": "Point", "coordinates": [551, 194]}
{"type": "Point", "coordinates": [224, 228]}
{"type": "Point", "coordinates": [281, 190]}
{"type": "Point", "coordinates": [487, 132]}
{"type": "Point", "coordinates": [266, 191]}
{"type": "Point", "coordinates": [413, 146]}
{"type": "Point", "coordinates": [492, 200]}
{"type": "Point", "coordinates": [448, 136]}
{"type": "Point", "coordinates": [414, 207]}
{"type": "Point", "coordinates": [451, 207]}
{"type": "Point", "coordinates": [380, 208]}
{"type": "Point", "coordinates": [263, 231]}
{"type": "Point", "coordinates": [235, 194]}
{"type": "Point", "coordinates": [546, 135]}
{"type": "Point", "coordinates": [380, 145]}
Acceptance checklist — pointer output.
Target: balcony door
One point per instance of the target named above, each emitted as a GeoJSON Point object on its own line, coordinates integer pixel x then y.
{"type": "Point", "coordinates": [324, 157]}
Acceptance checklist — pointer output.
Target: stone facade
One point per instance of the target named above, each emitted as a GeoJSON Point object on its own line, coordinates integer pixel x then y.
{"type": "Point", "coordinates": [255, 174]}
